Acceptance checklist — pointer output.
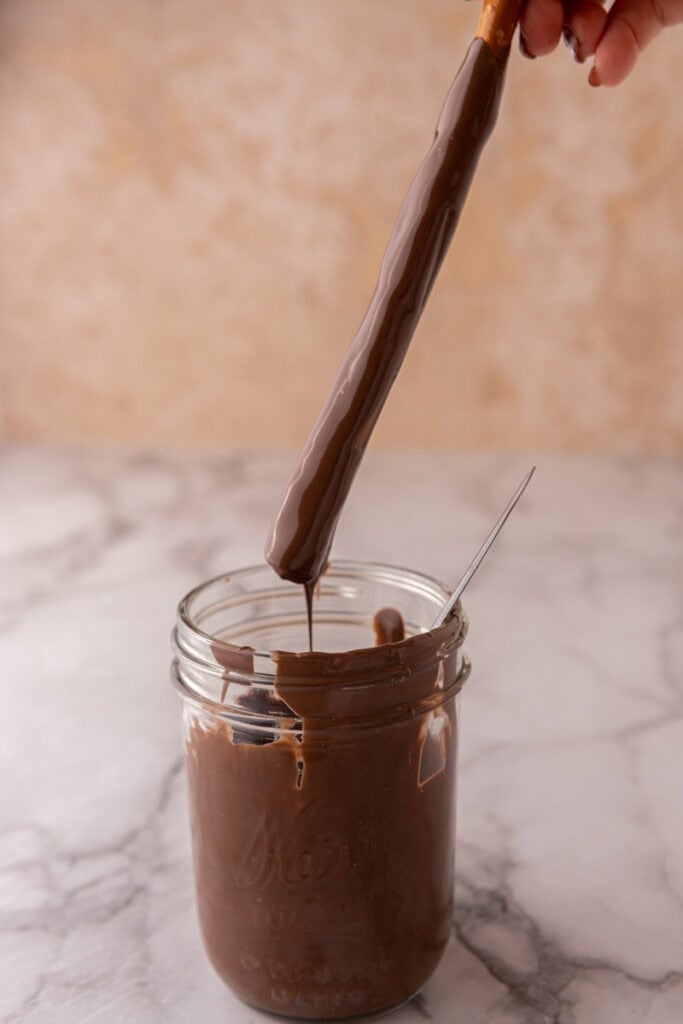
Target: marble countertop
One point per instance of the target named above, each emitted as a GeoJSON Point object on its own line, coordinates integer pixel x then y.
{"type": "Point", "coordinates": [570, 833]}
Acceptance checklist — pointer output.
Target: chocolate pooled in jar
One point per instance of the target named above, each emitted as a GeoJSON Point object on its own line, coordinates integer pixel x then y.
{"type": "Point", "coordinates": [324, 856]}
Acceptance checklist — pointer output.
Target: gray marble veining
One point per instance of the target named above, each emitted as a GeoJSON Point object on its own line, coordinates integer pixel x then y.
{"type": "Point", "coordinates": [570, 836]}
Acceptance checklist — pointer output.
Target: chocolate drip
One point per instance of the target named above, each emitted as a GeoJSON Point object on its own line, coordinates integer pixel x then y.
{"type": "Point", "coordinates": [308, 590]}
{"type": "Point", "coordinates": [388, 626]}
{"type": "Point", "coordinates": [304, 526]}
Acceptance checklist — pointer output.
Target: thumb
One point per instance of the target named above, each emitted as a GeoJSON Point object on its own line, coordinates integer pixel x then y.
{"type": "Point", "coordinates": [630, 26]}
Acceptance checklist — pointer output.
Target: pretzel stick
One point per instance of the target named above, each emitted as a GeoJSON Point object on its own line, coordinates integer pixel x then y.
{"type": "Point", "coordinates": [497, 23]}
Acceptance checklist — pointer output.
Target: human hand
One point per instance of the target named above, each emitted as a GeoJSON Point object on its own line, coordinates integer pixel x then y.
{"type": "Point", "coordinates": [615, 38]}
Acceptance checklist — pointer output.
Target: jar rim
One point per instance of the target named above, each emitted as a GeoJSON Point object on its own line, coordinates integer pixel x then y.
{"type": "Point", "coordinates": [377, 570]}
{"type": "Point", "coordinates": [206, 665]}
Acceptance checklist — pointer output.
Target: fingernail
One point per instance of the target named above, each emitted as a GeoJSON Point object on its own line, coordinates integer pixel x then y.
{"type": "Point", "coordinates": [573, 44]}
{"type": "Point", "coordinates": [523, 47]}
{"type": "Point", "coordinates": [594, 77]}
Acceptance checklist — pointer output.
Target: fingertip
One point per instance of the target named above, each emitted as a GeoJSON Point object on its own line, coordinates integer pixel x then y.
{"type": "Point", "coordinates": [615, 54]}
{"type": "Point", "coordinates": [585, 23]}
{"type": "Point", "coordinates": [523, 48]}
{"type": "Point", "coordinates": [541, 26]}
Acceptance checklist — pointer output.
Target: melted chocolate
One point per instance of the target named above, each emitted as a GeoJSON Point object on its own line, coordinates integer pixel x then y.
{"type": "Point", "coordinates": [388, 626]}
{"type": "Point", "coordinates": [324, 845]}
{"type": "Point", "coordinates": [309, 591]}
{"type": "Point", "coordinates": [304, 526]}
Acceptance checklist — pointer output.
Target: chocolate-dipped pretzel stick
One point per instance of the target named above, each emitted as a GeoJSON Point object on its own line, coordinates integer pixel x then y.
{"type": "Point", "coordinates": [306, 519]}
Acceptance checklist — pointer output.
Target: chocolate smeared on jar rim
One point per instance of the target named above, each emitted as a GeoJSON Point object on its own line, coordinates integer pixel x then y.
{"type": "Point", "coordinates": [248, 678]}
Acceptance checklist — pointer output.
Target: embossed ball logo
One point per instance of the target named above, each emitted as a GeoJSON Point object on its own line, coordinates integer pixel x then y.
{"type": "Point", "coordinates": [314, 845]}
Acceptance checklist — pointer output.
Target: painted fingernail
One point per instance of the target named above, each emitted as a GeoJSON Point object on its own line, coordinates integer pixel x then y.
{"type": "Point", "coordinates": [594, 77]}
{"type": "Point", "coordinates": [572, 44]}
{"type": "Point", "coordinates": [523, 47]}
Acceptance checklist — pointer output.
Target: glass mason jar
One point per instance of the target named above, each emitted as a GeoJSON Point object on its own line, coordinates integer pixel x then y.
{"type": "Point", "coordinates": [322, 785]}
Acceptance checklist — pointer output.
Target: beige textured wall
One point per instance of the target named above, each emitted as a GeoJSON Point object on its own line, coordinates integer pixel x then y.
{"type": "Point", "coordinates": [194, 199]}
